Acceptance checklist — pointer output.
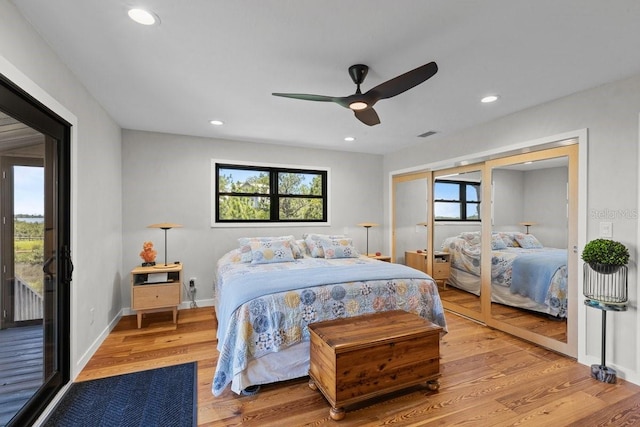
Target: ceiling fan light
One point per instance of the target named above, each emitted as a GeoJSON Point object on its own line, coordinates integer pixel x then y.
{"type": "Point", "coordinates": [488, 99]}
{"type": "Point", "coordinates": [142, 16]}
{"type": "Point", "coordinates": [358, 105]}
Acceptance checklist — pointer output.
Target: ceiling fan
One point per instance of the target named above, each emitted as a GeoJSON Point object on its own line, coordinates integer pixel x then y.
{"type": "Point", "coordinates": [362, 103]}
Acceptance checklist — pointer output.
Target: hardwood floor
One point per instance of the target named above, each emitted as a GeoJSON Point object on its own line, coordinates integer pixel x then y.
{"type": "Point", "coordinates": [488, 379]}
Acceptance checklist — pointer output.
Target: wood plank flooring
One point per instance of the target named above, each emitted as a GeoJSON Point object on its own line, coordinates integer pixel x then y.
{"type": "Point", "coordinates": [488, 379]}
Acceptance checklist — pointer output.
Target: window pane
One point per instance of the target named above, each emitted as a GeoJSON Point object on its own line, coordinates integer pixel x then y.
{"type": "Point", "coordinates": [243, 208]}
{"type": "Point", "coordinates": [473, 193]}
{"type": "Point", "coordinates": [299, 183]}
{"type": "Point", "coordinates": [444, 210]}
{"type": "Point", "coordinates": [297, 208]}
{"type": "Point", "coordinates": [473, 211]}
{"type": "Point", "coordinates": [243, 181]}
{"type": "Point", "coordinates": [447, 191]}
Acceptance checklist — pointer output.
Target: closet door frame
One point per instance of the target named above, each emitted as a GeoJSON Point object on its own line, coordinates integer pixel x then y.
{"type": "Point", "coordinates": [570, 347]}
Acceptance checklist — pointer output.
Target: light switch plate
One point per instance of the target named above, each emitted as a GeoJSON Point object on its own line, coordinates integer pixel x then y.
{"type": "Point", "coordinates": [606, 229]}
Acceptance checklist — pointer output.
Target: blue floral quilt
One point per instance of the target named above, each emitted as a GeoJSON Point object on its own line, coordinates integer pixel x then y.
{"type": "Point", "coordinates": [273, 314]}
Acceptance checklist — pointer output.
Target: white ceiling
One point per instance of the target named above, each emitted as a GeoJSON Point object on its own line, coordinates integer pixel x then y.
{"type": "Point", "coordinates": [222, 59]}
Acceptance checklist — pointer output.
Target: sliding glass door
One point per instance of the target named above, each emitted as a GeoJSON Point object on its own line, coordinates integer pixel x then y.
{"type": "Point", "coordinates": [35, 264]}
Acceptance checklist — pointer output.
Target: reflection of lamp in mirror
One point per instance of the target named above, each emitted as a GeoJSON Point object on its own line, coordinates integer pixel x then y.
{"type": "Point", "coordinates": [164, 226]}
{"type": "Point", "coordinates": [528, 224]}
{"type": "Point", "coordinates": [368, 225]}
{"type": "Point", "coordinates": [425, 224]}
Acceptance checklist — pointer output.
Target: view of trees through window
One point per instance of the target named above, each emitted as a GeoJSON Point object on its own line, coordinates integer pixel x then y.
{"type": "Point", "coordinates": [456, 201]}
{"type": "Point", "coordinates": [270, 194]}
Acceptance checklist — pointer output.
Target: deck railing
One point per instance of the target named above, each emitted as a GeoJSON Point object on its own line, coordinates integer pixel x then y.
{"type": "Point", "coordinates": [27, 302]}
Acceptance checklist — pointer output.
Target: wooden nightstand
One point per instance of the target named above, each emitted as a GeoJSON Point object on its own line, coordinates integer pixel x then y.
{"type": "Point", "coordinates": [150, 292]}
{"type": "Point", "coordinates": [416, 260]}
{"type": "Point", "coordinates": [441, 267]}
{"type": "Point", "coordinates": [441, 264]}
{"type": "Point", "coordinates": [385, 258]}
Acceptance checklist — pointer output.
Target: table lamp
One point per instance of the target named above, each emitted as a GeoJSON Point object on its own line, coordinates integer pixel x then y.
{"type": "Point", "coordinates": [164, 226]}
{"type": "Point", "coordinates": [368, 225]}
{"type": "Point", "coordinates": [528, 224]}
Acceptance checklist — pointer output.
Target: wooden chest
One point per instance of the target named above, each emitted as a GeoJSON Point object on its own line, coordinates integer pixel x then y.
{"type": "Point", "coordinates": [358, 358]}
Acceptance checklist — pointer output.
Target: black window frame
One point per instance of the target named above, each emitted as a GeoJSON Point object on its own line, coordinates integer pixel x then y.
{"type": "Point", "coordinates": [462, 200]}
{"type": "Point", "coordinates": [273, 194]}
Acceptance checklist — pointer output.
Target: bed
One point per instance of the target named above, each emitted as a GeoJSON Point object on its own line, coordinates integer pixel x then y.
{"type": "Point", "coordinates": [524, 273]}
{"type": "Point", "coordinates": [264, 307]}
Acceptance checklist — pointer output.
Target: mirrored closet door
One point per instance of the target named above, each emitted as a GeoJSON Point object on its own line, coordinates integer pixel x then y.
{"type": "Point", "coordinates": [457, 231]}
{"type": "Point", "coordinates": [410, 226]}
{"type": "Point", "coordinates": [533, 233]}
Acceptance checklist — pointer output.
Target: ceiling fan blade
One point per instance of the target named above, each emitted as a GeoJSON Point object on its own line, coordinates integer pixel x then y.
{"type": "Point", "coordinates": [403, 82]}
{"type": "Point", "coordinates": [306, 97]}
{"type": "Point", "coordinates": [368, 116]}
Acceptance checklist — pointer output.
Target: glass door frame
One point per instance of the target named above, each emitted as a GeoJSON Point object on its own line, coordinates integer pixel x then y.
{"type": "Point", "coordinates": [22, 106]}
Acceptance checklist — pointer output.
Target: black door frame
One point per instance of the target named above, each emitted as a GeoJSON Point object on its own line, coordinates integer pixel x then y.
{"type": "Point", "coordinates": [25, 108]}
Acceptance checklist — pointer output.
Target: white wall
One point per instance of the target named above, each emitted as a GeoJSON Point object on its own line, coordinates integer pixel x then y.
{"type": "Point", "coordinates": [610, 113]}
{"type": "Point", "coordinates": [96, 178]}
{"type": "Point", "coordinates": [168, 179]}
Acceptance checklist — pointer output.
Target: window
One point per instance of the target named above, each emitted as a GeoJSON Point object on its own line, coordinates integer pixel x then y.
{"type": "Point", "coordinates": [247, 193]}
{"type": "Point", "coordinates": [456, 201]}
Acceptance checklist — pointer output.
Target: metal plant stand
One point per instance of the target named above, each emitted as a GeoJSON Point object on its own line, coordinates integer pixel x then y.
{"type": "Point", "coordinates": [605, 288]}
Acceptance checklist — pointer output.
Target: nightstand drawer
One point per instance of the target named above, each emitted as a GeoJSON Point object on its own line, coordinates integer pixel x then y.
{"type": "Point", "coordinates": [156, 296]}
{"type": "Point", "coordinates": [440, 270]}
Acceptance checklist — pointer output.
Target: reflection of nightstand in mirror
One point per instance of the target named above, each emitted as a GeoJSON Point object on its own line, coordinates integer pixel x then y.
{"type": "Point", "coordinates": [441, 264]}
{"type": "Point", "coordinates": [417, 260]}
{"type": "Point", "coordinates": [386, 258]}
{"type": "Point", "coordinates": [441, 267]}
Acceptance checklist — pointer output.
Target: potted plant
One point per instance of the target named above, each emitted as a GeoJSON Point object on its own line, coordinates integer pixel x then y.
{"type": "Point", "coordinates": [605, 256]}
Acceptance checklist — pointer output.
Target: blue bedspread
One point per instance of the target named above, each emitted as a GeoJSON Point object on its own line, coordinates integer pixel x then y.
{"type": "Point", "coordinates": [241, 288]}
{"type": "Point", "coordinates": [532, 273]}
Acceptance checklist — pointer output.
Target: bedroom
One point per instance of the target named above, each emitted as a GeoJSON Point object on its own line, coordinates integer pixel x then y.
{"type": "Point", "coordinates": [126, 163]}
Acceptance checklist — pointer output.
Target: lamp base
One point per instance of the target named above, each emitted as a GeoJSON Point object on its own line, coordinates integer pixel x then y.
{"type": "Point", "coordinates": [164, 265]}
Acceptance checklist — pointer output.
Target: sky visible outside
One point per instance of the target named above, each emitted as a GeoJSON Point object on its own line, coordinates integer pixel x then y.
{"type": "Point", "coordinates": [28, 182]}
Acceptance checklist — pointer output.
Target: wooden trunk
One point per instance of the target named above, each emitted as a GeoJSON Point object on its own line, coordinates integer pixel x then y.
{"type": "Point", "coordinates": [358, 358]}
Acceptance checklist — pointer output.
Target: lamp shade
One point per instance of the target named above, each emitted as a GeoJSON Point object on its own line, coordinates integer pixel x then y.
{"type": "Point", "coordinates": [368, 224]}
{"type": "Point", "coordinates": [164, 225]}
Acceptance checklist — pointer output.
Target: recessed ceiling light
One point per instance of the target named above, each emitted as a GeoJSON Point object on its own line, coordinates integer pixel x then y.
{"type": "Point", "coordinates": [349, 138]}
{"type": "Point", "coordinates": [216, 122]}
{"type": "Point", "coordinates": [143, 17]}
{"type": "Point", "coordinates": [489, 98]}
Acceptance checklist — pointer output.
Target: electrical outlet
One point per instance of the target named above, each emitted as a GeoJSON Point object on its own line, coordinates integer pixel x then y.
{"type": "Point", "coordinates": [92, 312]}
{"type": "Point", "coordinates": [192, 282]}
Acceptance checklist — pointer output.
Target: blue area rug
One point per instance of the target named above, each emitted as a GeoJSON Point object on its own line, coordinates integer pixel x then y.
{"type": "Point", "coordinates": [157, 397]}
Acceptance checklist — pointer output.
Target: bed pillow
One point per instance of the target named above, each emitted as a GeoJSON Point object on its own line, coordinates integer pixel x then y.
{"type": "Point", "coordinates": [508, 239]}
{"type": "Point", "coordinates": [497, 243]}
{"type": "Point", "coordinates": [527, 241]}
{"type": "Point", "coordinates": [339, 248]}
{"type": "Point", "coordinates": [313, 243]}
{"type": "Point", "coordinates": [266, 252]}
{"type": "Point", "coordinates": [245, 245]}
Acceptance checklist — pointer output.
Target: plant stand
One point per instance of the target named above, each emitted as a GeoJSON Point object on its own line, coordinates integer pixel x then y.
{"type": "Point", "coordinates": [607, 292]}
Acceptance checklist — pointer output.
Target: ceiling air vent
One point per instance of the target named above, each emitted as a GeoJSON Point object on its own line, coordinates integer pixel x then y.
{"type": "Point", "coordinates": [426, 134]}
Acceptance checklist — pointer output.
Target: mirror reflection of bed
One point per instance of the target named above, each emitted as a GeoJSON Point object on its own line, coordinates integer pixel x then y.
{"type": "Point", "coordinates": [528, 247]}
{"type": "Point", "coordinates": [448, 224]}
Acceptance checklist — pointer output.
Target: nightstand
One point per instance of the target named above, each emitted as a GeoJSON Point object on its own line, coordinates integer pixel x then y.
{"type": "Point", "coordinates": [156, 288]}
{"type": "Point", "coordinates": [385, 258]}
{"type": "Point", "coordinates": [441, 264]}
{"type": "Point", "coordinates": [441, 267]}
